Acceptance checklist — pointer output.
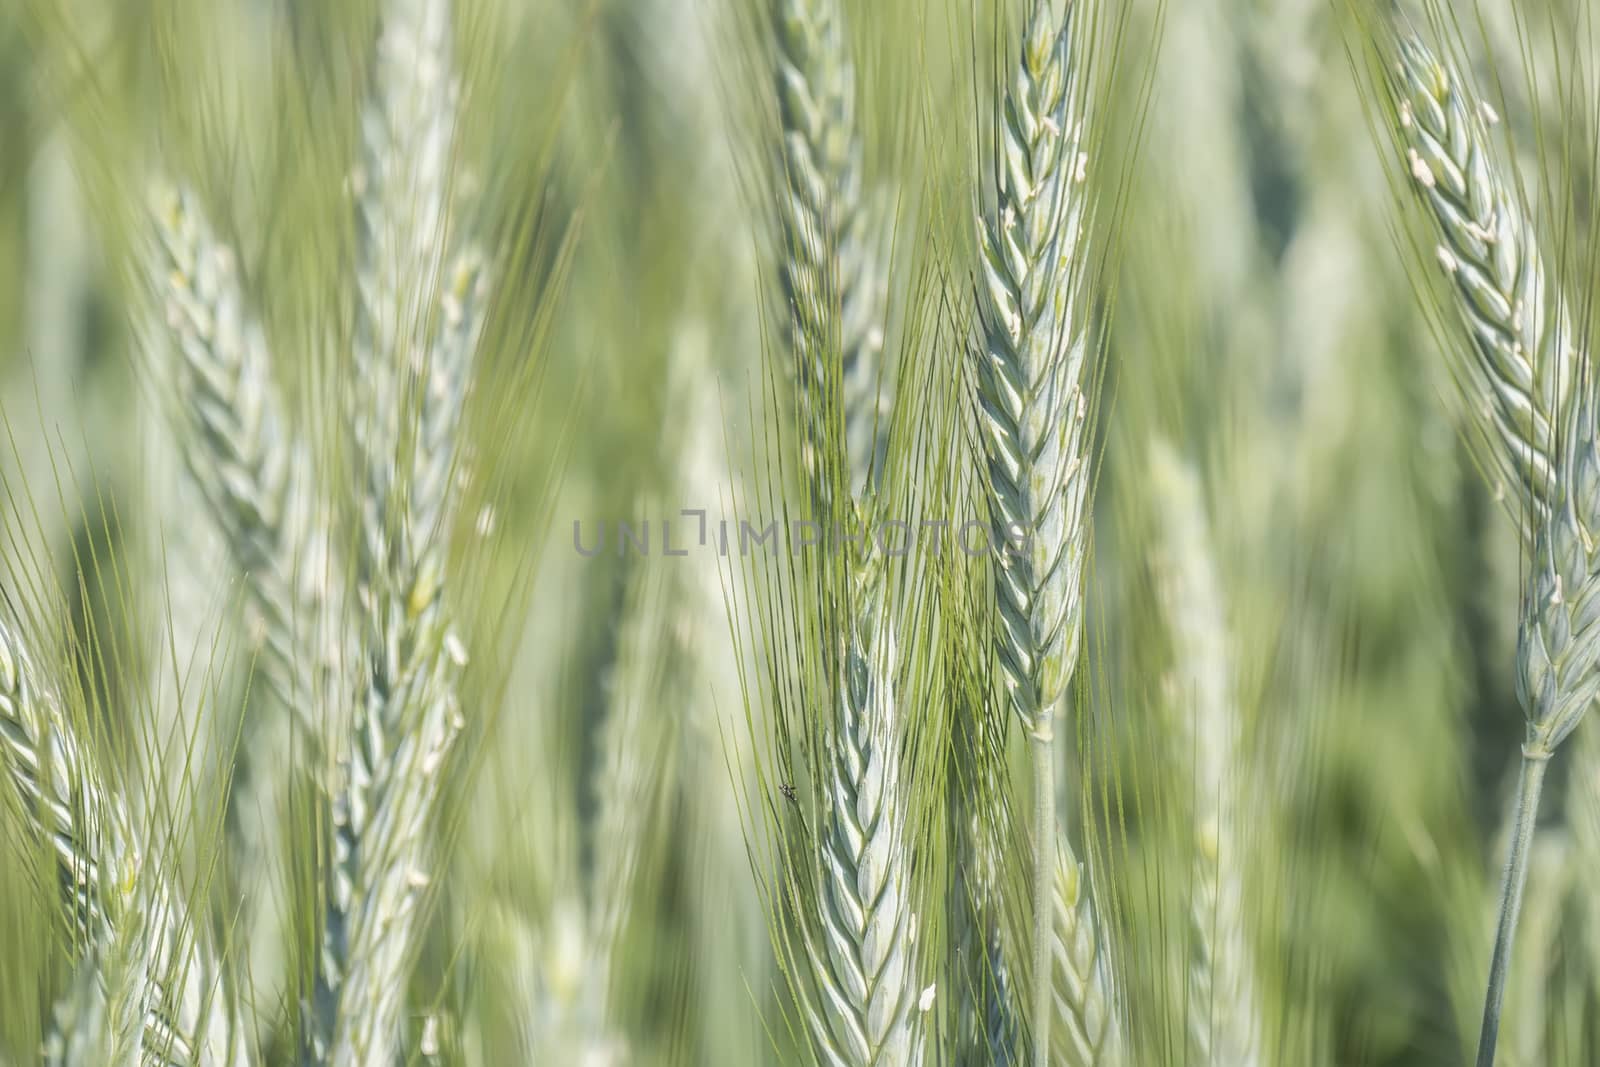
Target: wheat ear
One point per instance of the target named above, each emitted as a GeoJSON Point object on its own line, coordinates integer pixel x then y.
{"type": "Point", "coordinates": [1519, 374]}
{"type": "Point", "coordinates": [1032, 367]}
{"type": "Point", "coordinates": [407, 714]}
{"type": "Point", "coordinates": [1558, 667]}
{"type": "Point", "coordinates": [862, 954]}
{"type": "Point", "coordinates": [830, 272]}
{"type": "Point", "coordinates": [1224, 1012]}
{"type": "Point", "coordinates": [113, 894]}
{"type": "Point", "coordinates": [984, 1014]}
{"type": "Point", "coordinates": [237, 445]}
{"type": "Point", "coordinates": [1079, 982]}
{"type": "Point", "coordinates": [1539, 405]}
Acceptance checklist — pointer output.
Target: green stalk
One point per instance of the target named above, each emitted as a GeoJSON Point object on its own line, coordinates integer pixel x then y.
{"type": "Point", "coordinates": [1530, 784]}
{"type": "Point", "coordinates": [1041, 740]}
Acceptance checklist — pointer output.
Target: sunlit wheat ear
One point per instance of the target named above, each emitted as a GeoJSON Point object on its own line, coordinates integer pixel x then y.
{"type": "Point", "coordinates": [862, 950]}
{"type": "Point", "coordinates": [231, 427]}
{"type": "Point", "coordinates": [830, 260]}
{"type": "Point", "coordinates": [1517, 369]}
{"type": "Point", "coordinates": [1224, 1013]}
{"type": "Point", "coordinates": [1032, 372]}
{"type": "Point", "coordinates": [415, 336]}
{"type": "Point", "coordinates": [1087, 1031]}
{"type": "Point", "coordinates": [114, 893]}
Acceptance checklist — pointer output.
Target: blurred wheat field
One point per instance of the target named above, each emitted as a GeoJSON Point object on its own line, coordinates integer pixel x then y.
{"type": "Point", "coordinates": [731, 532]}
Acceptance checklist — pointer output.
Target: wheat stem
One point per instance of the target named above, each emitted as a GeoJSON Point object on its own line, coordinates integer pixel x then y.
{"type": "Point", "coordinates": [1529, 784]}
{"type": "Point", "coordinates": [1044, 861]}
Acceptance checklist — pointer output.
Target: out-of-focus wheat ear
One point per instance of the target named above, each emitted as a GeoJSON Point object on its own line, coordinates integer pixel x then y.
{"type": "Point", "coordinates": [1225, 1019]}
{"type": "Point", "coordinates": [415, 336]}
{"type": "Point", "coordinates": [831, 259]}
{"type": "Point", "coordinates": [97, 1023]}
{"type": "Point", "coordinates": [230, 425]}
{"type": "Point", "coordinates": [1032, 373]}
{"type": "Point", "coordinates": [115, 894]}
{"type": "Point", "coordinates": [633, 747]}
{"type": "Point", "coordinates": [401, 199]}
{"type": "Point", "coordinates": [862, 948]}
{"type": "Point", "coordinates": [1089, 1031]}
{"type": "Point", "coordinates": [1518, 370]}
{"type": "Point", "coordinates": [228, 422]}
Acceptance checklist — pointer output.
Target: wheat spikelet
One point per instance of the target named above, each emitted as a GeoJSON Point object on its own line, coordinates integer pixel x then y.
{"type": "Point", "coordinates": [862, 953]}
{"type": "Point", "coordinates": [1080, 987]}
{"type": "Point", "coordinates": [829, 265]}
{"type": "Point", "coordinates": [1224, 1014]}
{"type": "Point", "coordinates": [1519, 376]}
{"type": "Point", "coordinates": [411, 375]}
{"type": "Point", "coordinates": [112, 891]}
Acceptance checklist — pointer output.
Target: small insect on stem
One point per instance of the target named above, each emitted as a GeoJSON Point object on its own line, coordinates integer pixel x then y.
{"type": "Point", "coordinates": [788, 791]}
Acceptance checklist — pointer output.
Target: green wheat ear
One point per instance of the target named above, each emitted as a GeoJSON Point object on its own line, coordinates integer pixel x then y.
{"type": "Point", "coordinates": [1518, 373]}
{"type": "Point", "coordinates": [155, 961]}
{"type": "Point", "coordinates": [1535, 400]}
{"type": "Point", "coordinates": [1034, 376]}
